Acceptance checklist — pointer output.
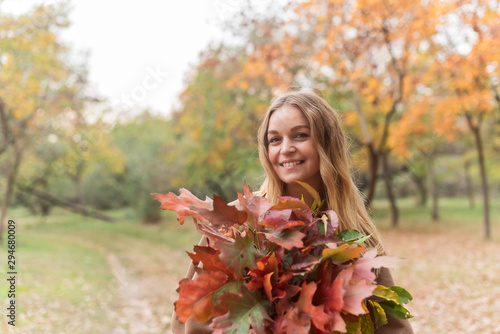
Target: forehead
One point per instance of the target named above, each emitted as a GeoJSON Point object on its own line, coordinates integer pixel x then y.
{"type": "Point", "coordinates": [287, 116]}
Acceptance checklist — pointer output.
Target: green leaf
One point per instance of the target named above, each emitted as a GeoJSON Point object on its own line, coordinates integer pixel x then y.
{"type": "Point", "coordinates": [321, 226]}
{"type": "Point", "coordinates": [351, 236]}
{"type": "Point", "coordinates": [239, 254]}
{"type": "Point", "coordinates": [366, 324]}
{"type": "Point", "coordinates": [386, 293]}
{"type": "Point", "coordinates": [313, 206]}
{"type": "Point", "coordinates": [395, 310]}
{"type": "Point", "coordinates": [404, 295]}
{"type": "Point", "coordinates": [378, 314]}
{"type": "Point", "coordinates": [246, 310]}
{"type": "Point", "coordinates": [352, 327]}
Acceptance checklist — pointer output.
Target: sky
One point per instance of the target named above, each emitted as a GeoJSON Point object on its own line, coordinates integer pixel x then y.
{"type": "Point", "coordinates": [139, 51]}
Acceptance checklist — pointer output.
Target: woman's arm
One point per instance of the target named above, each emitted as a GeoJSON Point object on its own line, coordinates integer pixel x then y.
{"type": "Point", "coordinates": [192, 326]}
{"type": "Point", "coordinates": [394, 325]}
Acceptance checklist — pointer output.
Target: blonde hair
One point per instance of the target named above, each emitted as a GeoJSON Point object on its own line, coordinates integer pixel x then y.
{"type": "Point", "coordinates": [339, 190]}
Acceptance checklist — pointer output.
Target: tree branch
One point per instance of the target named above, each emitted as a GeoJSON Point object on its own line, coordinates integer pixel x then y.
{"type": "Point", "coordinates": [73, 207]}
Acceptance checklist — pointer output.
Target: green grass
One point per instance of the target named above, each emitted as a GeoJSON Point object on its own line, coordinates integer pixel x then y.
{"type": "Point", "coordinates": [64, 271]}
{"type": "Point", "coordinates": [453, 213]}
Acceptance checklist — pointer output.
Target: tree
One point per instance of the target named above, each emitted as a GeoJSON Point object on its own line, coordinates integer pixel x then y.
{"type": "Point", "coordinates": [468, 68]}
{"type": "Point", "coordinates": [36, 78]}
{"type": "Point", "coordinates": [151, 163]}
{"type": "Point", "coordinates": [372, 51]}
{"type": "Point", "coordinates": [216, 125]}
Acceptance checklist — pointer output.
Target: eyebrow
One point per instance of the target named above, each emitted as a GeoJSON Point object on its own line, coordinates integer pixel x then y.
{"type": "Point", "coordinates": [295, 128]}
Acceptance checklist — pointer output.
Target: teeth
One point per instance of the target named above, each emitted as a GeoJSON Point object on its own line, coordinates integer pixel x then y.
{"type": "Point", "coordinates": [290, 164]}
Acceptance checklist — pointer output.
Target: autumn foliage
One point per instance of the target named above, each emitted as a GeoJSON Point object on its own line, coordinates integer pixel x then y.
{"type": "Point", "coordinates": [282, 268]}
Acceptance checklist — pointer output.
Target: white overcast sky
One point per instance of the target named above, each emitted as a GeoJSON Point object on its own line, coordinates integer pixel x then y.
{"type": "Point", "coordinates": [140, 51]}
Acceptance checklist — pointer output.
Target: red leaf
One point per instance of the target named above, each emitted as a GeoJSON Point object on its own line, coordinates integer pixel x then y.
{"type": "Point", "coordinates": [265, 265]}
{"type": "Point", "coordinates": [364, 265]}
{"type": "Point", "coordinates": [184, 204]}
{"type": "Point", "coordinates": [331, 294]}
{"type": "Point", "coordinates": [297, 206]}
{"type": "Point", "coordinates": [345, 293]}
{"type": "Point", "coordinates": [279, 224]}
{"type": "Point", "coordinates": [303, 262]}
{"type": "Point", "coordinates": [255, 206]}
{"type": "Point", "coordinates": [316, 313]}
{"type": "Point", "coordinates": [268, 287]}
{"type": "Point", "coordinates": [319, 240]}
{"type": "Point", "coordinates": [210, 259]}
{"type": "Point", "coordinates": [355, 293]}
{"type": "Point", "coordinates": [287, 238]}
{"type": "Point", "coordinates": [247, 191]}
{"type": "Point", "coordinates": [212, 233]}
{"type": "Point", "coordinates": [331, 223]}
{"type": "Point", "coordinates": [222, 214]}
{"type": "Point", "coordinates": [292, 323]}
{"type": "Point", "coordinates": [196, 297]}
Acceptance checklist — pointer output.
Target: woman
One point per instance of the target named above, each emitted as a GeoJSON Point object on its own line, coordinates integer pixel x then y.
{"type": "Point", "coordinates": [301, 139]}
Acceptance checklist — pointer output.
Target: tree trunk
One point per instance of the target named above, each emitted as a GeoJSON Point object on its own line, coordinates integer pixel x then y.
{"type": "Point", "coordinates": [79, 187]}
{"type": "Point", "coordinates": [422, 190]}
{"type": "Point", "coordinates": [373, 156]}
{"type": "Point", "coordinates": [431, 174]}
{"type": "Point", "coordinates": [374, 162]}
{"type": "Point", "coordinates": [12, 169]}
{"type": "Point", "coordinates": [468, 184]}
{"type": "Point", "coordinates": [476, 131]}
{"type": "Point", "coordinates": [389, 190]}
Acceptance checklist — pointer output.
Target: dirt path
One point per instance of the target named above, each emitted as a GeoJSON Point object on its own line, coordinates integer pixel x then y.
{"type": "Point", "coordinates": [134, 301]}
{"type": "Point", "coordinates": [454, 280]}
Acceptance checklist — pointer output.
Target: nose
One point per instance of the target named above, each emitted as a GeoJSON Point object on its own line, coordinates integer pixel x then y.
{"type": "Point", "coordinates": [288, 146]}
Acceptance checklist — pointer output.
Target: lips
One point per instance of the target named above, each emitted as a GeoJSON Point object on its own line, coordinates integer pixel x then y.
{"type": "Point", "coordinates": [291, 163]}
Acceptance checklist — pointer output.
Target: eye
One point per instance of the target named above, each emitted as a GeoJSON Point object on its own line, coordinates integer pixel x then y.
{"type": "Point", "coordinates": [301, 135]}
{"type": "Point", "coordinates": [273, 140]}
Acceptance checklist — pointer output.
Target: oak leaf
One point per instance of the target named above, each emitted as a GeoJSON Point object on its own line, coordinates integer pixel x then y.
{"type": "Point", "coordinates": [316, 314]}
{"type": "Point", "coordinates": [246, 312]}
{"type": "Point", "coordinates": [197, 297]}
{"type": "Point", "coordinates": [210, 258]}
{"type": "Point", "coordinates": [287, 238]}
{"type": "Point", "coordinates": [222, 214]}
{"type": "Point", "coordinates": [240, 254]}
{"type": "Point", "coordinates": [185, 204]}
{"type": "Point", "coordinates": [343, 252]}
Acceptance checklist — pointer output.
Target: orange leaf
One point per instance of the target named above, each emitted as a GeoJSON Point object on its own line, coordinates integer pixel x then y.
{"type": "Point", "coordinates": [196, 297]}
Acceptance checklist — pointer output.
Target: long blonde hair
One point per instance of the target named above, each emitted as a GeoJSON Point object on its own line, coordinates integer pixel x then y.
{"type": "Point", "coordinates": [341, 193]}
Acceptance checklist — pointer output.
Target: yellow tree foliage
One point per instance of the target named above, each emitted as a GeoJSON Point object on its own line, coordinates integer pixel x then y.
{"type": "Point", "coordinates": [43, 97]}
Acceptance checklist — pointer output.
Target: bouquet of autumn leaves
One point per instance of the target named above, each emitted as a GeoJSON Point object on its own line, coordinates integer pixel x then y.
{"type": "Point", "coordinates": [280, 268]}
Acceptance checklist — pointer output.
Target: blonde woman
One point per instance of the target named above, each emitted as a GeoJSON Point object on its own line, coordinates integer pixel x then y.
{"type": "Point", "coordinates": [301, 139]}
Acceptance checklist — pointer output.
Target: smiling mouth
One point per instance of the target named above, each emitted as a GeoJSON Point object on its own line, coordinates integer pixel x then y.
{"type": "Point", "coordinates": [291, 164]}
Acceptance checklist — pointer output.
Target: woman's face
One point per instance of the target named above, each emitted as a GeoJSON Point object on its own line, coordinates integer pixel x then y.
{"type": "Point", "coordinates": [291, 149]}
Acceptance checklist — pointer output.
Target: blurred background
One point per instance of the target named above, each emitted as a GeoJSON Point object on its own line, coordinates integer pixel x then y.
{"type": "Point", "coordinates": [103, 103]}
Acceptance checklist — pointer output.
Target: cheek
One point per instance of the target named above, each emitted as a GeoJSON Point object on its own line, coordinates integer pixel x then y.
{"type": "Point", "coordinates": [314, 155]}
{"type": "Point", "coordinates": [272, 153]}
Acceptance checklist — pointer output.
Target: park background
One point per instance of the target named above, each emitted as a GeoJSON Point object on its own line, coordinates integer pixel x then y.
{"type": "Point", "coordinates": [417, 85]}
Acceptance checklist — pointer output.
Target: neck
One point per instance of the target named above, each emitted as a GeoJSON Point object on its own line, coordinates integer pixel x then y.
{"type": "Point", "coordinates": [297, 191]}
